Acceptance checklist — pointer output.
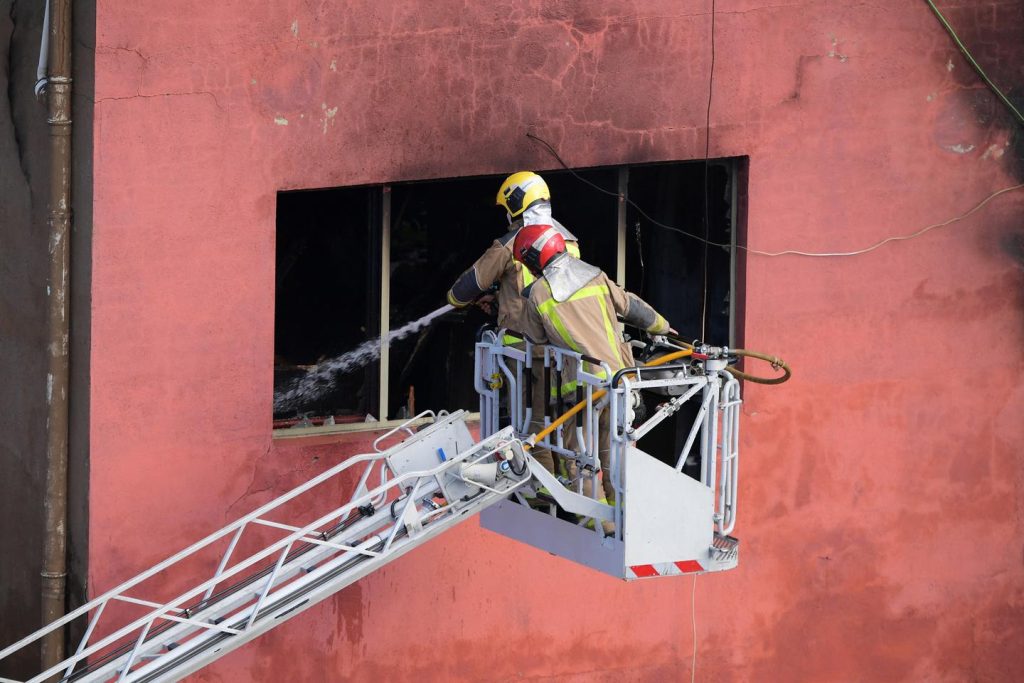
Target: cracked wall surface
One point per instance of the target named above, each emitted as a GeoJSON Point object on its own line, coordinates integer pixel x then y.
{"type": "Point", "coordinates": [881, 488]}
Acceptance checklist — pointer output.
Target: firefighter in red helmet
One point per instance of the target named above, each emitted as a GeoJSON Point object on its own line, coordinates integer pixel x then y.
{"type": "Point", "coordinates": [573, 305]}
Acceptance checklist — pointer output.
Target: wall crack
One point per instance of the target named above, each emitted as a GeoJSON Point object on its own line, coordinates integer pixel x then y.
{"type": "Point", "coordinates": [163, 94]}
{"type": "Point", "coordinates": [252, 480]}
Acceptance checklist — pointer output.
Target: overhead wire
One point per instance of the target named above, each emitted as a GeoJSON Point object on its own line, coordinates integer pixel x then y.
{"type": "Point", "coordinates": [894, 238]}
{"type": "Point", "coordinates": [707, 201]}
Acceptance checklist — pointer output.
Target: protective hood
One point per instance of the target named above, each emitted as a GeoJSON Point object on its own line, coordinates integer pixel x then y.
{"type": "Point", "coordinates": [567, 275]}
{"type": "Point", "coordinates": [540, 214]}
{"type": "Point", "coordinates": [563, 231]}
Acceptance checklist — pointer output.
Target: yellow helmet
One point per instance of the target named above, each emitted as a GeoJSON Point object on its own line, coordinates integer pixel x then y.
{"type": "Point", "coordinates": [520, 190]}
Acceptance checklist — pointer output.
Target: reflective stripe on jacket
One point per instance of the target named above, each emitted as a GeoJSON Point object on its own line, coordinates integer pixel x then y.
{"type": "Point", "coordinates": [586, 322]}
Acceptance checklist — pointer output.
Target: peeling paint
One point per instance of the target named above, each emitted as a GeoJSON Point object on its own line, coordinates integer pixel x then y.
{"type": "Point", "coordinates": [931, 97]}
{"type": "Point", "coordinates": [295, 28]}
{"type": "Point", "coordinates": [995, 151]}
{"type": "Point", "coordinates": [334, 65]}
{"type": "Point", "coordinates": [281, 121]}
{"type": "Point", "coordinates": [49, 387]}
{"type": "Point", "coordinates": [329, 115]}
{"type": "Point", "coordinates": [949, 65]}
{"type": "Point", "coordinates": [834, 52]}
{"type": "Point", "coordinates": [960, 148]}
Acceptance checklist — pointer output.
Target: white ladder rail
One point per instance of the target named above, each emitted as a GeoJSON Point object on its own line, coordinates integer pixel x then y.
{"type": "Point", "coordinates": [315, 594]}
{"type": "Point", "coordinates": [350, 543]}
{"type": "Point", "coordinates": [175, 603]}
{"type": "Point", "coordinates": [253, 611]}
{"type": "Point", "coordinates": [364, 549]}
{"type": "Point", "coordinates": [307, 585]}
{"type": "Point", "coordinates": [186, 552]}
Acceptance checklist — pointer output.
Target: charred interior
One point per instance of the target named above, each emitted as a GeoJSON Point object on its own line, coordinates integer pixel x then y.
{"type": "Point", "coordinates": [686, 279]}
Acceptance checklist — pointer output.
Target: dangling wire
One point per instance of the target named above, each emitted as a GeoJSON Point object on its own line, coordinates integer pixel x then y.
{"type": "Point", "coordinates": [640, 253]}
{"type": "Point", "coordinates": [707, 154]}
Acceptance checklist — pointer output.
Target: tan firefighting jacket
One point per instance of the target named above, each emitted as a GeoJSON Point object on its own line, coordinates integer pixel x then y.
{"type": "Point", "coordinates": [586, 323]}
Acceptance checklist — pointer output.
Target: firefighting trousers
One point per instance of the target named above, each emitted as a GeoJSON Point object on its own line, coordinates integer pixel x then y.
{"type": "Point", "coordinates": [604, 440]}
{"type": "Point", "coordinates": [538, 404]}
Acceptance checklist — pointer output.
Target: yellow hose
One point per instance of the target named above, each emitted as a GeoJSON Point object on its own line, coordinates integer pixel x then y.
{"type": "Point", "coordinates": [539, 436]}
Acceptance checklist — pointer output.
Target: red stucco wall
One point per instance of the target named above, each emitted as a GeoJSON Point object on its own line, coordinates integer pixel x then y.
{"type": "Point", "coordinates": [882, 488]}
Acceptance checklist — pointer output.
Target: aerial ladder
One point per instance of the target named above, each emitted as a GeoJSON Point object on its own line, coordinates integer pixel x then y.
{"type": "Point", "coordinates": [289, 554]}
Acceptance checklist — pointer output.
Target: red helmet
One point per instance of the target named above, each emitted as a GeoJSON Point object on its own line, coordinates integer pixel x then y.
{"type": "Point", "coordinates": [536, 245]}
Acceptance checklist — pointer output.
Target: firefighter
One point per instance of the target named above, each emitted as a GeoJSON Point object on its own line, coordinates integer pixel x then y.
{"type": "Point", "coordinates": [526, 200]}
{"type": "Point", "coordinates": [573, 305]}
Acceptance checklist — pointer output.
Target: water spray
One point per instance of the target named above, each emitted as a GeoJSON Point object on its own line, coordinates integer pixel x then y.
{"type": "Point", "coordinates": [322, 378]}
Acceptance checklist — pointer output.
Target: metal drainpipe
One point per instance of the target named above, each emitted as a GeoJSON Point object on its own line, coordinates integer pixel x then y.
{"type": "Point", "coordinates": [55, 506]}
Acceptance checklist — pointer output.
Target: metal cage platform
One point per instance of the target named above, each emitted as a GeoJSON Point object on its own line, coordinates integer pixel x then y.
{"type": "Point", "coordinates": [665, 521]}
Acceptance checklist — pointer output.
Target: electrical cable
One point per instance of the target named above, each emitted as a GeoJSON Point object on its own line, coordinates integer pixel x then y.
{"type": "Point", "coordinates": [787, 252]}
{"type": "Point", "coordinates": [894, 238]}
{"type": "Point", "coordinates": [970, 60]}
{"type": "Point", "coordinates": [707, 154]}
{"type": "Point", "coordinates": [518, 473]}
{"type": "Point", "coordinates": [640, 253]}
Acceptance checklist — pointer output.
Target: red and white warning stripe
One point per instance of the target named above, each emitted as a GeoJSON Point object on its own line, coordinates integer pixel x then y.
{"type": "Point", "coordinates": [646, 571]}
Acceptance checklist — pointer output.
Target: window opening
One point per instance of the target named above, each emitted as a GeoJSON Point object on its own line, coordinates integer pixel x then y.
{"type": "Point", "coordinates": [438, 229]}
{"type": "Point", "coordinates": [331, 256]}
{"type": "Point", "coordinates": [327, 294]}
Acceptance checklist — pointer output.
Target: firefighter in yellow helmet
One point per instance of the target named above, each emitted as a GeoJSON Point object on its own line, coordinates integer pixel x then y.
{"type": "Point", "coordinates": [573, 305]}
{"type": "Point", "coordinates": [526, 200]}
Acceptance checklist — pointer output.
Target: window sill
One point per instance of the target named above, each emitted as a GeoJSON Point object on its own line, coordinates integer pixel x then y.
{"type": "Point", "coordinates": [353, 428]}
